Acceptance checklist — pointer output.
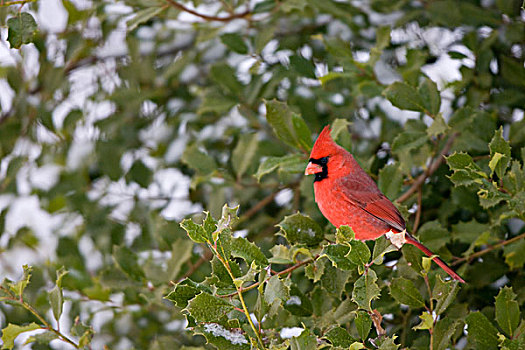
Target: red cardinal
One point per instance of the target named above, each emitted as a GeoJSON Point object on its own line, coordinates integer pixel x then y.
{"type": "Point", "coordinates": [346, 195]}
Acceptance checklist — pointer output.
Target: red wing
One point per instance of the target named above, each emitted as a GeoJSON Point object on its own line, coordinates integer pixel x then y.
{"type": "Point", "coordinates": [368, 197]}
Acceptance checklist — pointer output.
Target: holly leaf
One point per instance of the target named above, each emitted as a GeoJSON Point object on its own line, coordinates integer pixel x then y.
{"type": "Point", "coordinates": [208, 308]}
{"type": "Point", "coordinates": [21, 30]}
{"type": "Point", "coordinates": [507, 311]}
{"type": "Point", "coordinates": [299, 228]}
{"type": "Point", "coordinates": [363, 323]}
{"type": "Point", "coordinates": [426, 321]}
{"type": "Point", "coordinates": [56, 296]}
{"type": "Point", "coordinates": [366, 290]}
{"type": "Point", "coordinates": [481, 333]}
{"type": "Point", "coordinates": [127, 261]}
{"type": "Point", "coordinates": [404, 96]}
{"type": "Point", "coordinates": [12, 331]}
{"type": "Point", "coordinates": [405, 292]}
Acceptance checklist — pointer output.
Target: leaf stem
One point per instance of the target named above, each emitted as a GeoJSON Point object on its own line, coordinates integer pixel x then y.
{"type": "Point", "coordinates": [431, 330]}
{"type": "Point", "coordinates": [239, 293]}
{"type": "Point", "coordinates": [489, 249]}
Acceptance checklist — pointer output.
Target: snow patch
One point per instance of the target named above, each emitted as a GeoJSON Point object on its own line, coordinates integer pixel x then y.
{"type": "Point", "coordinates": [294, 300]}
{"type": "Point", "coordinates": [217, 330]}
{"type": "Point", "coordinates": [287, 333]}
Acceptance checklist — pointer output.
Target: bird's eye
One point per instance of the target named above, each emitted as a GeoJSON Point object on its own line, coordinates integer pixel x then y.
{"type": "Point", "coordinates": [323, 160]}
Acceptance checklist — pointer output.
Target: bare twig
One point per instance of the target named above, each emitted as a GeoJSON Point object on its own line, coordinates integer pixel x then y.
{"type": "Point", "coordinates": [417, 220]}
{"type": "Point", "coordinates": [206, 257]}
{"type": "Point", "coordinates": [181, 7]}
{"type": "Point", "coordinates": [489, 249]}
{"type": "Point", "coordinates": [430, 170]}
{"type": "Point", "coordinates": [261, 204]}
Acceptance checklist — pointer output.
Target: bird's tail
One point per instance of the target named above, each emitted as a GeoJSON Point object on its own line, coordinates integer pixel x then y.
{"type": "Point", "coordinates": [412, 240]}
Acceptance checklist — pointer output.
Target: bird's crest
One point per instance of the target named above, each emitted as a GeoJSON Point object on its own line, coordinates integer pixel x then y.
{"type": "Point", "coordinates": [324, 144]}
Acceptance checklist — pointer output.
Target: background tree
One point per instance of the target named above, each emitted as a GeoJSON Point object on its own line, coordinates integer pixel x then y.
{"type": "Point", "coordinates": [120, 119]}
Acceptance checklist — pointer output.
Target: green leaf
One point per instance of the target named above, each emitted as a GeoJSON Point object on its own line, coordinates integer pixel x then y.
{"type": "Point", "coordinates": [405, 292]}
{"type": "Point", "coordinates": [339, 125]}
{"type": "Point", "coordinates": [21, 30]}
{"type": "Point", "coordinates": [426, 321]}
{"type": "Point", "coordinates": [390, 180]}
{"type": "Point", "coordinates": [382, 245]}
{"type": "Point", "coordinates": [430, 97]}
{"type": "Point", "coordinates": [222, 337]}
{"type": "Point", "coordinates": [444, 293]}
{"type": "Point", "coordinates": [409, 140]}
{"type": "Point", "coordinates": [466, 172]}
{"type": "Point", "coordinates": [481, 333]}
{"type": "Point", "coordinates": [404, 96]}
{"type": "Point", "coordinates": [288, 126]}
{"type": "Point", "coordinates": [224, 76]}
{"type": "Point", "coordinates": [515, 254]}
{"type": "Point", "coordinates": [489, 195]}
{"type": "Point", "coordinates": [143, 16]}
{"type": "Point", "coordinates": [140, 174]}
{"type": "Point", "coordinates": [127, 261]}
{"type": "Point", "coordinates": [12, 331]}
{"type": "Point", "coordinates": [109, 153]}
{"type": "Point", "coordinates": [298, 304]}
{"type": "Point", "coordinates": [438, 127]}
{"type": "Point", "coordinates": [56, 297]}
{"type": "Point", "coordinates": [42, 338]}
{"type": "Point", "coordinates": [244, 153]}
{"type": "Point", "coordinates": [84, 332]}
{"type": "Point", "coordinates": [247, 250]}
{"type": "Point", "coordinates": [293, 163]}
{"type": "Point", "coordinates": [344, 234]}
{"type": "Point", "coordinates": [337, 255]}
{"type": "Point", "coordinates": [387, 343]}
{"type": "Point", "coordinates": [443, 332]}
{"type": "Point", "coordinates": [507, 311]}
{"type": "Point", "coordinates": [185, 291]}
{"type": "Point", "coordinates": [305, 341]}
{"type": "Point", "coordinates": [235, 43]}
{"type": "Point", "coordinates": [198, 160]}
{"type": "Point", "coordinates": [359, 254]}
{"type": "Point", "coordinates": [299, 228]}
{"type": "Point", "coordinates": [315, 270]}
{"type": "Point", "coordinates": [228, 217]}
{"type": "Point", "coordinates": [19, 287]}
{"type": "Point", "coordinates": [433, 235]}
{"type": "Point", "coordinates": [382, 41]}
{"type": "Point", "coordinates": [302, 66]}
{"type": "Point", "coordinates": [334, 280]}
{"type": "Point", "coordinates": [208, 308]}
{"type": "Point", "coordinates": [499, 154]}
{"type": "Point", "coordinates": [366, 290]}
{"type": "Point", "coordinates": [339, 337]}
{"type": "Point", "coordinates": [276, 290]}
{"type": "Point", "coordinates": [181, 251]}
{"type": "Point", "coordinates": [363, 323]}
{"type": "Point", "coordinates": [197, 233]}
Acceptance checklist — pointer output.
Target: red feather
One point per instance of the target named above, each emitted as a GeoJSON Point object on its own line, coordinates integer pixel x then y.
{"type": "Point", "coordinates": [347, 195]}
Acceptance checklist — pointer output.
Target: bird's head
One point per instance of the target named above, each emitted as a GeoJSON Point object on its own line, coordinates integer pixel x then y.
{"type": "Point", "coordinates": [326, 157]}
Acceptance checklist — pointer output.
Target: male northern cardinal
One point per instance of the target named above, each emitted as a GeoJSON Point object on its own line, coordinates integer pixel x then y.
{"type": "Point", "coordinates": [346, 195]}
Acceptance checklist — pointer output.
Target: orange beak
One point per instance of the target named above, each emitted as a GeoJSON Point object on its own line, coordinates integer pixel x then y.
{"type": "Point", "coordinates": [312, 169]}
